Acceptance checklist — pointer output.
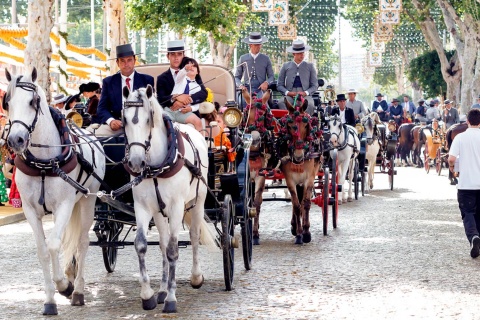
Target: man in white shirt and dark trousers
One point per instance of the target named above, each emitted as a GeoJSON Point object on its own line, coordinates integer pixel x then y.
{"type": "Point", "coordinates": [465, 149]}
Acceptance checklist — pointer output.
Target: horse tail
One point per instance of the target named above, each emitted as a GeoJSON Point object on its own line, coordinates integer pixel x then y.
{"type": "Point", "coordinates": [207, 237]}
{"type": "Point", "coordinates": [71, 236]}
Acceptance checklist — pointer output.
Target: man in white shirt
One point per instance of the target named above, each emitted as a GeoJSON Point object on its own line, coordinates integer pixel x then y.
{"type": "Point", "coordinates": [466, 152]}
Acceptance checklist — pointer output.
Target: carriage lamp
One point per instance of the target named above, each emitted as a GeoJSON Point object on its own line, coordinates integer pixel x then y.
{"type": "Point", "coordinates": [359, 128]}
{"type": "Point", "coordinates": [232, 117]}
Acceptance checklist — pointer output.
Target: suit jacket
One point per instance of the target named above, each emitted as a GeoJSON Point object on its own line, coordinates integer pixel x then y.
{"type": "Point", "coordinates": [110, 104]}
{"type": "Point", "coordinates": [307, 73]}
{"type": "Point", "coordinates": [396, 111]}
{"type": "Point", "coordinates": [451, 117]}
{"type": "Point", "coordinates": [166, 83]}
{"type": "Point", "coordinates": [262, 66]}
{"type": "Point", "coordinates": [349, 115]}
{"type": "Point", "coordinates": [410, 108]}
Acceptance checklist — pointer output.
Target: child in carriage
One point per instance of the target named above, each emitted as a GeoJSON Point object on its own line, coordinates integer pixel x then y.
{"type": "Point", "coordinates": [185, 83]}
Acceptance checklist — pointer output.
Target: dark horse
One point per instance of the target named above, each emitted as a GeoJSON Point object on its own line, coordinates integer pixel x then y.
{"type": "Point", "coordinates": [418, 141]}
{"type": "Point", "coordinates": [299, 144]}
{"type": "Point", "coordinates": [452, 132]}
{"type": "Point", "coordinates": [405, 142]}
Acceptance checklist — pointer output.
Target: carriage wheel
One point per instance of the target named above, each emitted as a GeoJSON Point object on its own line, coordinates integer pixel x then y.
{"type": "Point", "coordinates": [110, 252]}
{"type": "Point", "coordinates": [247, 225]}
{"type": "Point", "coordinates": [325, 196]}
{"type": "Point", "coordinates": [391, 172]}
{"type": "Point", "coordinates": [228, 236]}
{"type": "Point", "coordinates": [355, 179]}
{"type": "Point", "coordinates": [426, 159]}
{"type": "Point", "coordinates": [334, 189]}
{"type": "Point", "coordinates": [364, 182]}
{"type": "Point", "coordinates": [439, 162]}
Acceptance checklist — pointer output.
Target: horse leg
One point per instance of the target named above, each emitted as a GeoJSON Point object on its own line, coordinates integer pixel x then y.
{"type": "Point", "coordinates": [162, 225]}
{"type": "Point", "coordinates": [350, 179]}
{"type": "Point", "coordinates": [341, 180]}
{"type": "Point", "coordinates": [259, 188]}
{"type": "Point", "coordinates": [295, 222]}
{"type": "Point", "coordinates": [371, 172]}
{"type": "Point", "coordinates": [196, 279]}
{"type": "Point", "coordinates": [307, 236]}
{"type": "Point", "coordinates": [50, 306]}
{"type": "Point", "coordinates": [149, 301]}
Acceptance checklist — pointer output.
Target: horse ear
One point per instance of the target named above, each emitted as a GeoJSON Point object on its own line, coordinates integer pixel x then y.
{"type": "Point", "coordinates": [149, 91]}
{"type": "Point", "coordinates": [246, 96]}
{"type": "Point", "coordinates": [126, 92]}
{"type": "Point", "coordinates": [266, 96]}
{"type": "Point", "coordinates": [290, 108]}
{"type": "Point", "coordinates": [34, 74]}
{"type": "Point", "coordinates": [8, 75]}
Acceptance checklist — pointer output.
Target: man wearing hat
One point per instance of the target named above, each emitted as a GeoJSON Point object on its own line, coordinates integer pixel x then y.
{"type": "Point", "coordinates": [346, 114]}
{"type": "Point", "coordinates": [58, 101]}
{"type": "Point", "coordinates": [298, 77]}
{"type": "Point", "coordinates": [380, 106]}
{"type": "Point", "coordinates": [477, 105]}
{"type": "Point", "coordinates": [166, 81]}
{"type": "Point", "coordinates": [420, 113]}
{"type": "Point", "coordinates": [396, 112]}
{"type": "Point", "coordinates": [111, 102]}
{"type": "Point", "coordinates": [254, 67]}
{"type": "Point", "coordinates": [450, 115]}
{"type": "Point", "coordinates": [89, 92]}
{"type": "Point", "coordinates": [433, 112]}
{"type": "Point", "coordinates": [356, 105]}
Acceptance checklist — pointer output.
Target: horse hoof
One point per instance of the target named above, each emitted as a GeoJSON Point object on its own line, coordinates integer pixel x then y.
{"type": "Point", "coordinates": [256, 240]}
{"type": "Point", "coordinates": [161, 297]}
{"type": "Point", "coordinates": [307, 237]}
{"type": "Point", "coordinates": [170, 307]}
{"type": "Point", "coordinates": [339, 202]}
{"type": "Point", "coordinates": [294, 230]}
{"type": "Point", "coordinates": [149, 304]}
{"type": "Point", "coordinates": [298, 239]}
{"type": "Point", "coordinates": [67, 292]}
{"type": "Point", "coordinates": [77, 299]}
{"type": "Point", "coordinates": [50, 309]}
{"type": "Point", "coordinates": [197, 286]}
{"type": "Point", "coordinates": [349, 199]}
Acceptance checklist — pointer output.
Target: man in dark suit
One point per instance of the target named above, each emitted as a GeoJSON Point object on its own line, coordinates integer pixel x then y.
{"type": "Point", "coordinates": [396, 112]}
{"type": "Point", "coordinates": [111, 102]}
{"type": "Point", "coordinates": [380, 106]}
{"type": "Point", "coordinates": [166, 81]}
{"type": "Point", "coordinates": [347, 115]}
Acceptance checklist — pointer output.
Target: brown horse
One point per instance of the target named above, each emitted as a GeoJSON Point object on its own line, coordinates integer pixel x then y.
{"type": "Point", "coordinates": [299, 143]}
{"type": "Point", "coordinates": [405, 142]}
{"type": "Point", "coordinates": [418, 142]}
{"type": "Point", "coordinates": [258, 121]}
{"type": "Point", "coordinates": [452, 132]}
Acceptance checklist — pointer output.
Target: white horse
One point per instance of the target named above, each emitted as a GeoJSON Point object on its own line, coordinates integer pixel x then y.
{"type": "Point", "coordinates": [151, 147]}
{"type": "Point", "coordinates": [370, 122]}
{"type": "Point", "coordinates": [345, 139]}
{"type": "Point", "coordinates": [33, 123]}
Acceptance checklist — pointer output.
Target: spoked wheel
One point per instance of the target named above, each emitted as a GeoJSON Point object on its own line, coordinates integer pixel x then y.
{"type": "Point", "coordinates": [391, 172]}
{"type": "Point", "coordinates": [438, 162]}
{"type": "Point", "coordinates": [247, 225]}
{"type": "Point", "coordinates": [334, 189]}
{"type": "Point", "coordinates": [228, 239]}
{"type": "Point", "coordinates": [110, 252]}
{"type": "Point", "coordinates": [325, 196]}
{"type": "Point", "coordinates": [355, 179]}
{"type": "Point", "coordinates": [426, 162]}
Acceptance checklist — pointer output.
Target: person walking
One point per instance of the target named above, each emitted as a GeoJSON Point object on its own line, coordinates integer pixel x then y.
{"type": "Point", "coordinates": [465, 150]}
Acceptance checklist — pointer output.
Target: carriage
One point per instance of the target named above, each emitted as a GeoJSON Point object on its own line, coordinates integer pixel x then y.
{"type": "Point", "coordinates": [229, 200]}
{"type": "Point", "coordinates": [386, 155]}
{"type": "Point", "coordinates": [434, 144]}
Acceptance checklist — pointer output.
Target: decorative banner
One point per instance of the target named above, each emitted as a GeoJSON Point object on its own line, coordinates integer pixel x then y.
{"type": "Point", "coordinates": [390, 17]}
{"type": "Point", "coordinates": [374, 59]}
{"type": "Point", "coordinates": [262, 5]}
{"type": "Point", "coordinates": [382, 32]}
{"type": "Point", "coordinates": [377, 46]}
{"type": "Point", "coordinates": [279, 14]}
{"type": "Point", "coordinates": [386, 5]}
{"type": "Point", "coordinates": [287, 31]}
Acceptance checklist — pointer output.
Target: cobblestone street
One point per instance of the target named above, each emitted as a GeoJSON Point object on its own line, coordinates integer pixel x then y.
{"type": "Point", "coordinates": [395, 255]}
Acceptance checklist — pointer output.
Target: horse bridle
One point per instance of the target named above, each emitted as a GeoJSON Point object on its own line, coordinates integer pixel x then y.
{"type": "Point", "coordinates": [35, 103]}
{"type": "Point", "coordinates": [341, 128]}
{"type": "Point", "coordinates": [147, 144]}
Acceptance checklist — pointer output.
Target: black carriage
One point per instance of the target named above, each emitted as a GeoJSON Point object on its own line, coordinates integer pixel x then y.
{"type": "Point", "coordinates": [386, 154]}
{"type": "Point", "coordinates": [229, 199]}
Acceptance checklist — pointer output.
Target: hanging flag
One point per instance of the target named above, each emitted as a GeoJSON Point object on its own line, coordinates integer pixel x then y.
{"type": "Point", "coordinates": [262, 5]}
{"type": "Point", "coordinates": [386, 5]}
{"type": "Point", "coordinates": [287, 31]}
{"type": "Point", "coordinates": [374, 59]}
{"type": "Point", "coordinates": [390, 17]}
{"type": "Point", "coordinates": [278, 15]}
{"type": "Point", "coordinates": [382, 32]}
{"type": "Point", "coordinates": [378, 46]}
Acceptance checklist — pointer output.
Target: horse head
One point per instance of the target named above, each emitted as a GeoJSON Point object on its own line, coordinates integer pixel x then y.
{"type": "Point", "coordinates": [257, 118]}
{"type": "Point", "coordinates": [23, 101]}
{"type": "Point", "coordinates": [138, 121]}
{"type": "Point", "coordinates": [336, 128]}
{"type": "Point", "coordinates": [369, 122]}
{"type": "Point", "coordinates": [299, 129]}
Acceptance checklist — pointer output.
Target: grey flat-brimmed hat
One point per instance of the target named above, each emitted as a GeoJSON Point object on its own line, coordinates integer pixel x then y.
{"type": "Point", "coordinates": [421, 100]}
{"type": "Point", "coordinates": [447, 102]}
{"type": "Point", "coordinates": [255, 38]}
{"type": "Point", "coordinates": [352, 91]}
{"type": "Point", "coordinates": [59, 98]}
{"type": "Point", "coordinates": [298, 46]}
{"type": "Point", "coordinates": [175, 46]}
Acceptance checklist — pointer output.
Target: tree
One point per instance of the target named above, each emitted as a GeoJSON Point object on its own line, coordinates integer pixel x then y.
{"type": "Point", "coordinates": [426, 70]}
{"type": "Point", "coordinates": [38, 52]}
{"type": "Point", "coordinates": [118, 31]}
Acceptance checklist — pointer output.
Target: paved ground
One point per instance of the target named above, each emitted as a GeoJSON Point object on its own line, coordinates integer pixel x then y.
{"type": "Point", "coordinates": [396, 255]}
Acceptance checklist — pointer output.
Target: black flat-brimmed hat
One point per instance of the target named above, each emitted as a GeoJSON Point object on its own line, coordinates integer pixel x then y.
{"type": "Point", "coordinates": [255, 38]}
{"type": "Point", "coordinates": [447, 102]}
{"type": "Point", "coordinates": [379, 95]}
{"type": "Point", "coordinates": [125, 50]}
{"type": "Point", "coordinates": [395, 100]}
{"type": "Point", "coordinates": [420, 101]}
{"type": "Point", "coordinates": [298, 46]}
{"type": "Point", "coordinates": [75, 97]}
{"type": "Point", "coordinates": [341, 97]}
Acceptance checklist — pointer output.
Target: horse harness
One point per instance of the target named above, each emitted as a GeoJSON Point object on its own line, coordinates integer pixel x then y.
{"type": "Point", "coordinates": [61, 165]}
{"type": "Point", "coordinates": [345, 143]}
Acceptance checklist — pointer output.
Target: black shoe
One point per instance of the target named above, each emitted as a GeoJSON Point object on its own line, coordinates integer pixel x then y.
{"type": "Point", "coordinates": [475, 250]}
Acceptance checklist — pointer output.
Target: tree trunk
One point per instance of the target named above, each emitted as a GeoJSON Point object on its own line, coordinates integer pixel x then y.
{"type": "Point", "coordinates": [38, 52]}
{"type": "Point", "coordinates": [222, 52]}
{"type": "Point", "coordinates": [117, 28]}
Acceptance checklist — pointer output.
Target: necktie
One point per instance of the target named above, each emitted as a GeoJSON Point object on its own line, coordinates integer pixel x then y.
{"type": "Point", "coordinates": [187, 87]}
{"type": "Point", "coordinates": [128, 83]}
{"type": "Point", "coordinates": [176, 72]}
